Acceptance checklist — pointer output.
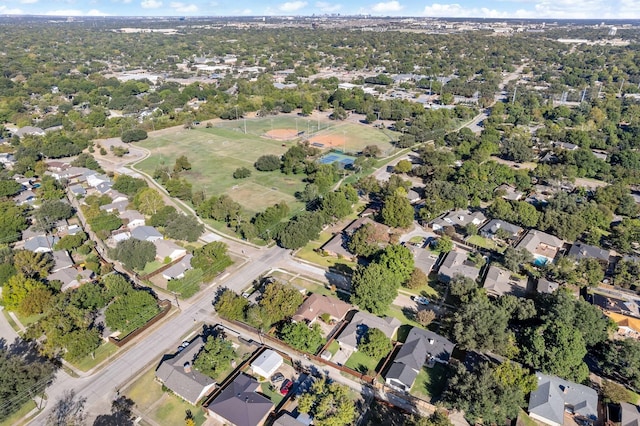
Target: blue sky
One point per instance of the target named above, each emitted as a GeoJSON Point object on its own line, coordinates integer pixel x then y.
{"type": "Point", "coordinates": [547, 9]}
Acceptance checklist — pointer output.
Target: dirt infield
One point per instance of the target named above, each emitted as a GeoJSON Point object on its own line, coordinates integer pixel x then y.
{"type": "Point", "coordinates": [282, 134]}
{"type": "Point", "coordinates": [328, 141]}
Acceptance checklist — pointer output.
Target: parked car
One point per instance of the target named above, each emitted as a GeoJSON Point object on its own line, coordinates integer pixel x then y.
{"type": "Point", "coordinates": [286, 387]}
{"type": "Point", "coordinates": [421, 300]}
{"type": "Point", "coordinates": [278, 377]}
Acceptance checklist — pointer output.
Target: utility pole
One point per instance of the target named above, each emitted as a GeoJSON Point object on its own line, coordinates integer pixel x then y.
{"type": "Point", "coordinates": [515, 90]}
{"type": "Point", "coordinates": [245, 124]}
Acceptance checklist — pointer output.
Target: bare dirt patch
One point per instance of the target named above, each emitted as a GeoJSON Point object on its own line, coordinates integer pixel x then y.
{"type": "Point", "coordinates": [282, 134]}
{"type": "Point", "coordinates": [328, 141]}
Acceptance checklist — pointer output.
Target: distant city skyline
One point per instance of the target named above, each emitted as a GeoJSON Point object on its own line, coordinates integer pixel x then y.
{"type": "Point", "coordinates": [501, 9]}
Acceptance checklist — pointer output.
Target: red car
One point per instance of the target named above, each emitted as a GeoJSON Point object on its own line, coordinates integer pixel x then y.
{"type": "Point", "coordinates": [286, 387]}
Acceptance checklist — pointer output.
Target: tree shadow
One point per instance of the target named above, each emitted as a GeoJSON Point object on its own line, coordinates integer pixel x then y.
{"type": "Point", "coordinates": [121, 413]}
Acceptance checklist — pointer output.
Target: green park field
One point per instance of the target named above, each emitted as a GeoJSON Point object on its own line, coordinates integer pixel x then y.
{"type": "Point", "coordinates": [214, 154]}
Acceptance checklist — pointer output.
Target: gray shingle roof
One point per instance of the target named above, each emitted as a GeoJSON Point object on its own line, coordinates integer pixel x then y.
{"type": "Point", "coordinates": [190, 385]}
{"type": "Point", "coordinates": [456, 263]}
{"type": "Point", "coordinates": [630, 414]}
{"type": "Point", "coordinates": [584, 251]}
{"type": "Point", "coordinates": [145, 233]}
{"type": "Point", "coordinates": [362, 322]}
{"type": "Point", "coordinates": [499, 282]}
{"type": "Point", "coordinates": [420, 345]}
{"type": "Point", "coordinates": [240, 404]}
{"type": "Point", "coordinates": [41, 242]}
{"type": "Point", "coordinates": [496, 224]}
{"type": "Point", "coordinates": [553, 393]}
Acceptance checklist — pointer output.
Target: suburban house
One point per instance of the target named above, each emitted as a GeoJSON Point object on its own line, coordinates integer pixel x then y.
{"type": "Point", "coordinates": [423, 259]}
{"type": "Point", "coordinates": [456, 263]}
{"type": "Point", "coordinates": [421, 347]}
{"type": "Point", "coordinates": [117, 196]}
{"type": "Point", "coordinates": [61, 260]}
{"type": "Point", "coordinates": [71, 277]}
{"type": "Point", "coordinates": [177, 270]}
{"type": "Point", "coordinates": [7, 159]}
{"type": "Point", "coordinates": [118, 206]}
{"type": "Point", "coordinates": [240, 404]}
{"type": "Point", "coordinates": [177, 374]}
{"type": "Point", "coordinates": [360, 324]}
{"type": "Point", "coordinates": [508, 192]}
{"type": "Point", "coordinates": [165, 248]}
{"type": "Point", "coordinates": [501, 230]}
{"type": "Point", "coordinates": [287, 419]}
{"type": "Point", "coordinates": [337, 245]}
{"type": "Point", "coordinates": [413, 196]}
{"type": "Point", "coordinates": [132, 218]}
{"type": "Point", "coordinates": [457, 220]}
{"type": "Point", "coordinates": [612, 304]}
{"type": "Point", "coordinates": [146, 233]}
{"type": "Point", "coordinates": [29, 130]}
{"type": "Point", "coordinates": [267, 363]}
{"type": "Point", "coordinates": [318, 304]}
{"type": "Point", "coordinates": [628, 327]}
{"type": "Point", "coordinates": [566, 146]}
{"type": "Point", "coordinates": [41, 244]}
{"type": "Point", "coordinates": [629, 414]}
{"type": "Point", "coordinates": [580, 250]}
{"type": "Point", "coordinates": [78, 190]}
{"type": "Point", "coordinates": [93, 180]}
{"type": "Point", "coordinates": [554, 396]}
{"type": "Point", "coordinates": [499, 282]}
{"type": "Point", "coordinates": [25, 197]}
{"type": "Point", "coordinates": [546, 286]}
{"type": "Point", "coordinates": [542, 246]}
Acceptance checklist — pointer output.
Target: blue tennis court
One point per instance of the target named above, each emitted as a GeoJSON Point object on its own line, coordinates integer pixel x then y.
{"type": "Point", "coordinates": [334, 157]}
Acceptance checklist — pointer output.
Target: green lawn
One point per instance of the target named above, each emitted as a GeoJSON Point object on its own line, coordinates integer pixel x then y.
{"type": "Point", "coordinates": [334, 347]}
{"type": "Point", "coordinates": [309, 254]}
{"type": "Point", "coordinates": [274, 395]}
{"type": "Point", "coordinates": [363, 363]}
{"type": "Point", "coordinates": [160, 407]}
{"type": "Point", "coordinates": [214, 154]}
{"type": "Point", "coordinates": [524, 419]}
{"type": "Point", "coordinates": [485, 243]}
{"type": "Point", "coordinates": [14, 419]}
{"type": "Point", "coordinates": [151, 266]}
{"type": "Point", "coordinates": [28, 320]}
{"type": "Point", "coordinates": [403, 315]}
{"type": "Point", "coordinates": [430, 382]}
{"type": "Point", "coordinates": [102, 353]}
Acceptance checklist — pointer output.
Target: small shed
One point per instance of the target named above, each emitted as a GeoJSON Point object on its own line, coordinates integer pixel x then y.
{"type": "Point", "coordinates": [267, 363]}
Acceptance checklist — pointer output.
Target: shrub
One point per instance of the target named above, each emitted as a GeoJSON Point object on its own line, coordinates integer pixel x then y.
{"type": "Point", "coordinates": [267, 163]}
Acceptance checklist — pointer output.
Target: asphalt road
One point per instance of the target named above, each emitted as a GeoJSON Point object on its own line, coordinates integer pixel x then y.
{"type": "Point", "coordinates": [101, 387]}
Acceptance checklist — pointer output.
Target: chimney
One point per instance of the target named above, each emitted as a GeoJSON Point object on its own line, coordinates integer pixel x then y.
{"type": "Point", "coordinates": [187, 367]}
{"type": "Point", "coordinates": [431, 341]}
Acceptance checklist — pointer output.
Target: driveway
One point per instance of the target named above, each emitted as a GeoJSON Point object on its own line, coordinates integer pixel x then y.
{"type": "Point", "coordinates": [7, 333]}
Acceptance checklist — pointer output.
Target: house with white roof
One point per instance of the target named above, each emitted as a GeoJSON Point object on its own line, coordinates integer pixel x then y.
{"type": "Point", "coordinates": [166, 249]}
{"type": "Point", "coordinates": [267, 363]}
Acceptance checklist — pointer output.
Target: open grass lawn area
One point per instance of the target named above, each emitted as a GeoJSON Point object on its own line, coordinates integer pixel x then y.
{"type": "Point", "coordinates": [485, 243]}
{"type": "Point", "coordinates": [14, 419]}
{"type": "Point", "coordinates": [524, 419]}
{"type": "Point", "coordinates": [103, 352]}
{"type": "Point", "coordinates": [215, 153]}
{"type": "Point", "coordinates": [353, 137]}
{"type": "Point", "coordinates": [151, 266]}
{"type": "Point", "coordinates": [402, 314]}
{"type": "Point", "coordinates": [361, 362]}
{"type": "Point", "coordinates": [28, 320]}
{"type": "Point", "coordinates": [160, 407]}
{"type": "Point", "coordinates": [334, 347]}
{"type": "Point", "coordinates": [274, 395]}
{"type": "Point", "coordinates": [309, 254]}
{"type": "Point", "coordinates": [430, 382]}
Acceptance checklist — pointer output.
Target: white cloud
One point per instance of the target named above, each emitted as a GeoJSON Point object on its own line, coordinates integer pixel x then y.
{"type": "Point", "coordinates": [4, 10]}
{"type": "Point", "coordinates": [74, 12]}
{"type": "Point", "coordinates": [150, 4]}
{"type": "Point", "coordinates": [28, 1]}
{"type": "Point", "coordinates": [390, 6]}
{"type": "Point", "coordinates": [542, 9]}
{"type": "Point", "coordinates": [183, 7]}
{"type": "Point", "coordinates": [328, 7]}
{"type": "Point", "coordinates": [292, 6]}
{"type": "Point", "coordinates": [246, 12]}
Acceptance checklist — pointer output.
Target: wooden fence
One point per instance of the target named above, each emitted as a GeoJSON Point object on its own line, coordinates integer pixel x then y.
{"type": "Point", "coordinates": [165, 306]}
